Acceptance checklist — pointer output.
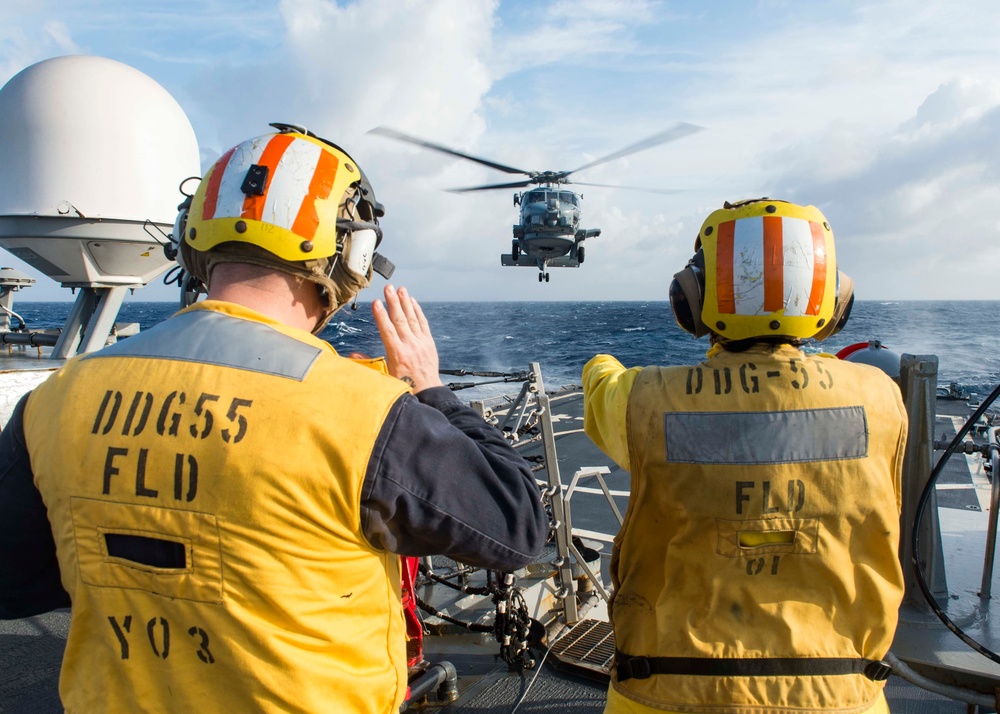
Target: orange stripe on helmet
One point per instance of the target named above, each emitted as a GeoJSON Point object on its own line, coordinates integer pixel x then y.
{"type": "Point", "coordinates": [819, 269]}
{"type": "Point", "coordinates": [774, 264]}
{"type": "Point", "coordinates": [724, 268]}
{"type": "Point", "coordinates": [214, 181]}
{"type": "Point", "coordinates": [253, 206]}
{"type": "Point", "coordinates": [307, 219]}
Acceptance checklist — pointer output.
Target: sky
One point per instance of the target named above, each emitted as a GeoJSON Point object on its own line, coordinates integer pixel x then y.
{"type": "Point", "coordinates": [884, 115]}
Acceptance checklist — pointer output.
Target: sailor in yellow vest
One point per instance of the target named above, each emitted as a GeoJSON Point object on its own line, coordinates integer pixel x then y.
{"type": "Point", "coordinates": [228, 495]}
{"type": "Point", "coordinates": [757, 568]}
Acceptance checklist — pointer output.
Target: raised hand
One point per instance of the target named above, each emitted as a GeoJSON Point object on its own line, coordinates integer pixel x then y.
{"type": "Point", "coordinates": [409, 347]}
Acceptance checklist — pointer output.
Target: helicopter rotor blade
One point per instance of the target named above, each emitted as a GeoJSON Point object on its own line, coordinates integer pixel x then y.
{"type": "Point", "coordinates": [492, 186]}
{"type": "Point", "coordinates": [400, 136]}
{"type": "Point", "coordinates": [630, 188]}
{"type": "Point", "coordinates": [678, 131]}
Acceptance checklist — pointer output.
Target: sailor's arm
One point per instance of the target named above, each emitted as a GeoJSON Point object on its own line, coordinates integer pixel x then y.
{"type": "Point", "coordinates": [443, 481]}
{"type": "Point", "coordinates": [440, 479]}
{"type": "Point", "coordinates": [29, 570]}
{"type": "Point", "coordinates": [606, 388]}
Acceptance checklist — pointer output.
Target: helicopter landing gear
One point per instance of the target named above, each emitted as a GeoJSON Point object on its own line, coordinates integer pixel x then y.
{"type": "Point", "coordinates": [579, 255]}
{"type": "Point", "coordinates": [543, 276]}
{"type": "Point", "coordinates": [515, 250]}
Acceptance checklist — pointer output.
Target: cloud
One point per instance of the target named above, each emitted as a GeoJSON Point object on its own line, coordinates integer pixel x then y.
{"type": "Point", "coordinates": [882, 114]}
{"type": "Point", "coordinates": [60, 35]}
{"type": "Point", "coordinates": [914, 218]}
{"type": "Point", "coordinates": [955, 102]}
{"type": "Point", "coordinates": [371, 62]}
{"type": "Point", "coordinates": [25, 43]}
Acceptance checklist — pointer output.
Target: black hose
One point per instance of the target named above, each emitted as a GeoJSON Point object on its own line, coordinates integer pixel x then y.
{"type": "Point", "coordinates": [471, 626]}
{"type": "Point", "coordinates": [467, 589]}
{"type": "Point", "coordinates": [511, 376]}
{"type": "Point", "coordinates": [915, 543]}
{"type": "Point", "coordinates": [455, 386]}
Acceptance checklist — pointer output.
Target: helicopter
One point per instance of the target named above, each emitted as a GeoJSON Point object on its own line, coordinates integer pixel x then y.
{"type": "Point", "coordinates": [548, 234]}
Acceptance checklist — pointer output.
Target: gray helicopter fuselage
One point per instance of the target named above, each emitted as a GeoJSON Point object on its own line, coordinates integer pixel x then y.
{"type": "Point", "coordinates": [550, 218]}
{"type": "Point", "coordinates": [549, 234]}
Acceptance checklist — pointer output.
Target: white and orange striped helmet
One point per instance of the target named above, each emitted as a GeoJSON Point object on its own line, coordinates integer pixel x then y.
{"type": "Point", "coordinates": [767, 269]}
{"type": "Point", "coordinates": [284, 193]}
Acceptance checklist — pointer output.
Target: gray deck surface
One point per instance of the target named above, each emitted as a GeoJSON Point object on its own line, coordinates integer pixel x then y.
{"type": "Point", "coordinates": [31, 652]}
{"type": "Point", "coordinates": [555, 693]}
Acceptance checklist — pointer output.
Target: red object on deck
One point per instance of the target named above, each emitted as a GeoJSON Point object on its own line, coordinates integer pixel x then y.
{"type": "Point", "coordinates": [851, 349]}
{"type": "Point", "coordinates": [414, 628]}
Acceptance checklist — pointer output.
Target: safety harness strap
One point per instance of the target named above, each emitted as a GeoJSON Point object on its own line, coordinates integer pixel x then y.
{"type": "Point", "coordinates": [629, 667]}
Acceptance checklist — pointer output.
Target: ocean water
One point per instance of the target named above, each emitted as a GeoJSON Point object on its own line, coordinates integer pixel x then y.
{"type": "Point", "coordinates": [562, 336]}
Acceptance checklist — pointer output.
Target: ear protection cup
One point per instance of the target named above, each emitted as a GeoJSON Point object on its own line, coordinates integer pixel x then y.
{"type": "Point", "coordinates": [687, 294]}
{"type": "Point", "coordinates": [842, 310]}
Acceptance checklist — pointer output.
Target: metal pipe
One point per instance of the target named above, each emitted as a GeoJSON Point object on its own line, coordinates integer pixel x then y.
{"type": "Point", "coordinates": [986, 588]}
{"type": "Point", "coordinates": [442, 675]}
{"type": "Point", "coordinates": [900, 669]}
{"type": "Point", "coordinates": [35, 339]}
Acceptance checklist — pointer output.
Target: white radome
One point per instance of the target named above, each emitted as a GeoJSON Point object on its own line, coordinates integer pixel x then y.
{"type": "Point", "coordinates": [91, 149]}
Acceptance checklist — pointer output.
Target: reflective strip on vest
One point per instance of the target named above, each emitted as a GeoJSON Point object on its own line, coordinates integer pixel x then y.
{"type": "Point", "coordinates": [212, 338]}
{"type": "Point", "coordinates": [766, 437]}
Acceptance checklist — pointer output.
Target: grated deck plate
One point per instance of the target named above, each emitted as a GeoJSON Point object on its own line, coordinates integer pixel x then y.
{"type": "Point", "coordinates": [587, 649]}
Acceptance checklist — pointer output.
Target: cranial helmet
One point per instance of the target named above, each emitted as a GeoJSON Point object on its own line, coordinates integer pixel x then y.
{"type": "Point", "coordinates": [763, 269]}
{"type": "Point", "coordinates": [288, 201]}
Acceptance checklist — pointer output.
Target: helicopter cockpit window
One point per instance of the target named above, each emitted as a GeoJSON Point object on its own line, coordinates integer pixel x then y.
{"type": "Point", "coordinates": [567, 197]}
{"type": "Point", "coordinates": [535, 197]}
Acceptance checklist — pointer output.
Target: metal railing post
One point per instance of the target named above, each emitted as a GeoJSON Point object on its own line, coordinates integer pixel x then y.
{"type": "Point", "coordinates": [986, 589]}
{"type": "Point", "coordinates": [563, 527]}
{"type": "Point", "coordinates": [590, 472]}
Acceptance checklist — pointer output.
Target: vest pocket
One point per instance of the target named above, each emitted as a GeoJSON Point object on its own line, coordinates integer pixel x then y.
{"type": "Point", "coordinates": [143, 550]}
{"type": "Point", "coordinates": [162, 551]}
{"type": "Point", "coordinates": [739, 539]}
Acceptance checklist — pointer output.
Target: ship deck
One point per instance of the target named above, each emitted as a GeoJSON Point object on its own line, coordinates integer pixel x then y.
{"type": "Point", "coordinates": [31, 649]}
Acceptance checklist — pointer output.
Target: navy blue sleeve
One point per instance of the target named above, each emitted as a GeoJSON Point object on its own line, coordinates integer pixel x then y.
{"type": "Point", "coordinates": [29, 571]}
{"type": "Point", "coordinates": [441, 481]}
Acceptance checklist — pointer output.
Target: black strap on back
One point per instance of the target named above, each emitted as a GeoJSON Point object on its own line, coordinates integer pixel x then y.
{"type": "Point", "coordinates": [629, 667]}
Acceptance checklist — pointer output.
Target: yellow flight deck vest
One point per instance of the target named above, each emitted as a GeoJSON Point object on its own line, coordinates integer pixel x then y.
{"type": "Point", "coordinates": [239, 446]}
{"type": "Point", "coordinates": [762, 531]}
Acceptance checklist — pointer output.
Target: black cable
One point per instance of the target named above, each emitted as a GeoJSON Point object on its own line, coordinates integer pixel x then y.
{"type": "Point", "coordinates": [470, 373]}
{"type": "Point", "coordinates": [426, 572]}
{"type": "Point", "coordinates": [174, 275]}
{"type": "Point", "coordinates": [474, 627]}
{"type": "Point", "coordinates": [512, 623]}
{"type": "Point", "coordinates": [915, 542]}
